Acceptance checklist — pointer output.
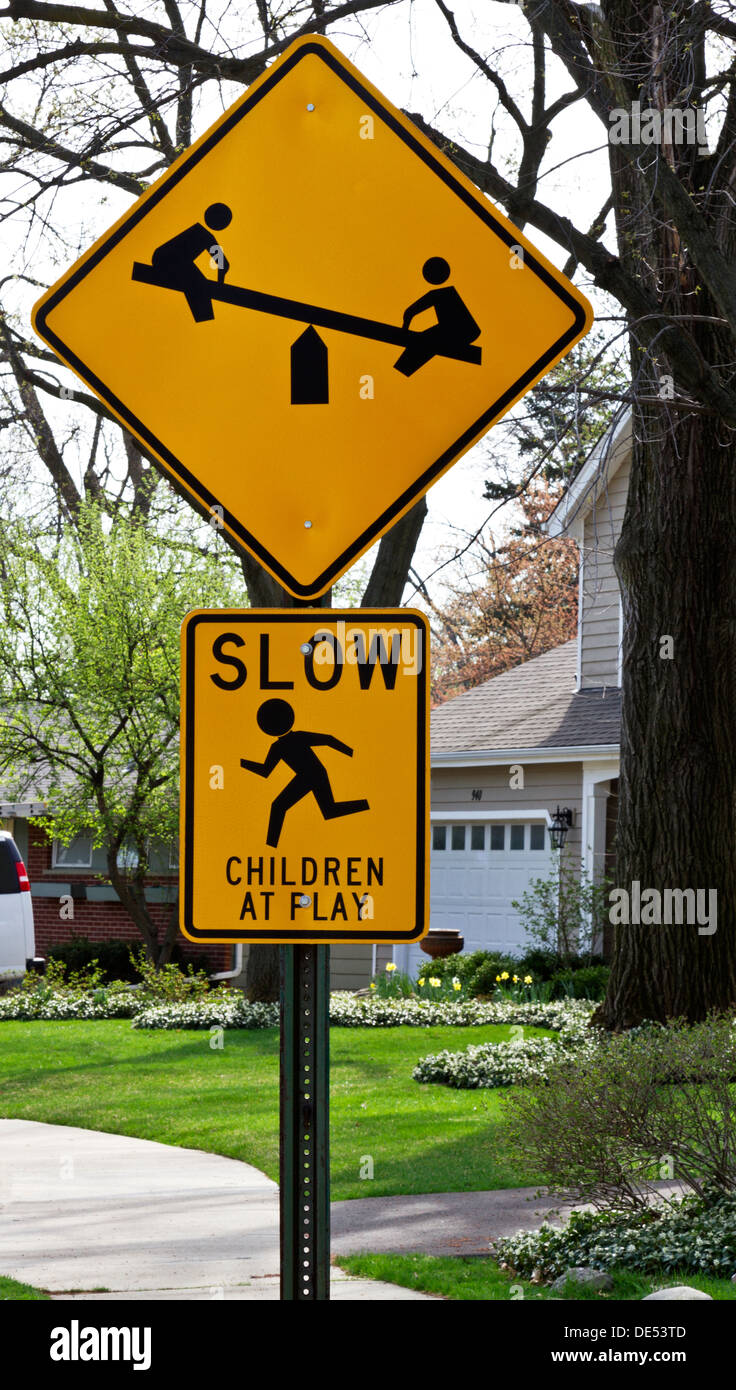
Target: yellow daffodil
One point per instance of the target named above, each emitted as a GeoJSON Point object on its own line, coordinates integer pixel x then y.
{"type": "Point", "coordinates": [456, 984]}
{"type": "Point", "coordinates": [515, 979]}
{"type": "Point", "coordinates": [421, 981]}
{"type": "Point", "coordinates": [504, 974]}
{"type": "Point", "coordinates": [498, 977]}
{"type": "Point", "coordinates": [372, 985]}
{"type": "Point", "coordinates": [527, 979]}
{"type": "Point", "coordinates": [435, 983]}
{"type": "Point", "coordinates": [390, 966]}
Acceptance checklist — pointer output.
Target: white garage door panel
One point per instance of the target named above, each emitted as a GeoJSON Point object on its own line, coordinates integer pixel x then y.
{"type": "Point", "coordinates": [472, 890]}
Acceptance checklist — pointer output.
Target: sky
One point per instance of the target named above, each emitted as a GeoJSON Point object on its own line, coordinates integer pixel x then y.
{"type": "Point", "coordinates": [406, 50]}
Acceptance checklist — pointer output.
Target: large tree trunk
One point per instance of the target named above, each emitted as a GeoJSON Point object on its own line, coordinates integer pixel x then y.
{"type": "Point", "coordinates": [676, 562]}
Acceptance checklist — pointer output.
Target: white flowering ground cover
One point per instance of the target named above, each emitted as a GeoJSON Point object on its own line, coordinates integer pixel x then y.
{"type": "Point", "coordinates": [688, 1235]}
{"type": "Point", "coordinates": [229, 1009]}
{"type": "Point", "coordinates": [59, 1004]}
{"type": "Point", "coordinates": [516, 1062]}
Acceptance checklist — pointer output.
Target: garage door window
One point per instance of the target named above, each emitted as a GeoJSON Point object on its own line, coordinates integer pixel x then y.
{"type": "Point", "coordinates": [479, 838]}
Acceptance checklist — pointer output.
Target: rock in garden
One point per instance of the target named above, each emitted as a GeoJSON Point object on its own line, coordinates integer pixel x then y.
{"type": "Point", "coordinates": [681, 1293]}
{"type": "Point", "coordinates": [588, 1278]}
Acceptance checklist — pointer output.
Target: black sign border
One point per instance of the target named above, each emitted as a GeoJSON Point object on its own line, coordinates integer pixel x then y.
{"type": "Point", "coordinates": [304, 936]}
{"type": "Point", "coordinates": [411, 494]}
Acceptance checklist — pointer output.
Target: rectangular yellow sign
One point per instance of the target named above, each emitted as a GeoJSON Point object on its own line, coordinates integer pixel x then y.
{"type": "Point", "coordinates": [304, 775]}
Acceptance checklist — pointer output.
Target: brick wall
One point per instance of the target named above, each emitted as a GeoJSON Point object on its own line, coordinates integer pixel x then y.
{"type": "Point", "coordinates": [98, 921]}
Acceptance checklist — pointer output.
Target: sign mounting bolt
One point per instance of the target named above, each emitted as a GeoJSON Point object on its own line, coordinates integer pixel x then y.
{"type": "Point", "coordinates": [305, 900]}
{"type": "Point", "coordinates": [308, 525]}
{"type": "Point", "coordinates": [310, 105]}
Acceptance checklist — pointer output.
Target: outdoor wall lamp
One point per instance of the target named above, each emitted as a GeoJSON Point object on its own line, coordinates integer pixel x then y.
{"type": "Point", "coordinates": [561, 824]}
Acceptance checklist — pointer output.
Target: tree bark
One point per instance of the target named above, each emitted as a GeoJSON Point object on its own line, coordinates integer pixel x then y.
{"type": "Point", "coordinates": [676, 563]}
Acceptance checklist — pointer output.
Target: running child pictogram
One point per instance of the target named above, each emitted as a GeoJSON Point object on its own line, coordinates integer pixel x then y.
{"type": "Point", "coordinates": [295, 747]}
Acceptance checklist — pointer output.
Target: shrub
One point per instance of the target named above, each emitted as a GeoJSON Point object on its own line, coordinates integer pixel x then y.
{"type": "Point", "coordinates": [113, 957]}
{"type": "Point", "coordinates": [476, 971]}
{"type": "Point", "coordinates": [579, 977]}
{"type": "Point", "coordinates": [169, 983]}
{"type": "Point", "coordinates": [565, 912]}
{"type": "Point", "coordinates": [589, 982]}
{"type": "Point", "coordinates": [658, 1102]}
{"type": "Point", "coordinates": [692, 1235]}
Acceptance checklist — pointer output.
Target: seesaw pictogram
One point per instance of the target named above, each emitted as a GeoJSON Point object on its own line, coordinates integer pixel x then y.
{"type": "Point", "coordinates": [453, 335]}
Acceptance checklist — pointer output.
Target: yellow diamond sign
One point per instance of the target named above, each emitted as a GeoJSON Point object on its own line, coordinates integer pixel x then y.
{"type": "Point", "coordinates": [310, 317]}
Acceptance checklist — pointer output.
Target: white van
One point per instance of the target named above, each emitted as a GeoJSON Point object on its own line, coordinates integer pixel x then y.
{"type": "Point", "coordinates": [17, 938]}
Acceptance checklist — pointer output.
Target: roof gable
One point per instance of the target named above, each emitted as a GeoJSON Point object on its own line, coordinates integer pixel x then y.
{"type": "Point", "coordinates": [533, 706]}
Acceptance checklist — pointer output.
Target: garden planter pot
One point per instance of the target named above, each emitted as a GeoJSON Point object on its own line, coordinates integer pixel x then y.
{"type": "Point", "coordinates": [438, 943]}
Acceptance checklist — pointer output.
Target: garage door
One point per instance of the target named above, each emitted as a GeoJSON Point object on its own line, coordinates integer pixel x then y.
{"type": "Point", "coordinates": [478, 867]}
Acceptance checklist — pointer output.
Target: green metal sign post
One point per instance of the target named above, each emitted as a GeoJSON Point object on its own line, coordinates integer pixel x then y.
{"type": "Point", "coordinates": [304, 1154]}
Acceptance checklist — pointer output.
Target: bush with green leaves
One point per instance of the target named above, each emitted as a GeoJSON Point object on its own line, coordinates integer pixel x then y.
{"type": "Point", "coordinates": [695, 1236]}
{"type": "Point", "coordinates": [658, 1102]}
{"type": "Point", "coordinates": [476, 971]}
{"type": "Point", "coordinates": [588, 982]}
{"type": "Point", "coordinates": [169, 983]}
{"type": "Point", "coordinates": [113, 958]}
{"type": "Point", "coordinates": [565, 912]}
{"type": "Point", "coordinates": [579, 977]}
{"type": "Point", "coordinates": [84, 993]}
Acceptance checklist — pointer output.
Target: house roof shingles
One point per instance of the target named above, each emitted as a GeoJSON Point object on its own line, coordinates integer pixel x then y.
{"type": "Point", "coordinates": [535, 705]}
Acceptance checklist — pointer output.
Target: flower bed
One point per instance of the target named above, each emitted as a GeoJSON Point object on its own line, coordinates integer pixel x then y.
{"type": "Point", "coordinates": [688, 1235]}
{"type": "Point", "coordinates": [57, 1004]}
{"type": "Point", "coordinates": [509, 1063]}
{"type": "Point", "coordinates": [228, 1008]}
{"type": "Point", "coordinates": [349, 1011]}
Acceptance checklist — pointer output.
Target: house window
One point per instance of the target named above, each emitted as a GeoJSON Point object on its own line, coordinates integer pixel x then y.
{"type": "Point", "coordinates": [439, 837]}
{"type": "Point", "coordinates": [536, 837]}
{"type": "Point", "coordinates": [127, 857]}
{"type": "Point", "coordinates": [517, 837]}
{"type": "Point", "coordinates": [458, 837]}
{"type": "Point", "coordinates": [498, 836]}
{"type": "Point", "coordinates": [76, 855]}
{"type": "Point", "coordinates": [477, 837]}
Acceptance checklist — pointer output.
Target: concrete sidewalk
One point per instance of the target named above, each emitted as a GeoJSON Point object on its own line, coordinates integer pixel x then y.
{"type": "Point", "coordinates": [83, 1211]}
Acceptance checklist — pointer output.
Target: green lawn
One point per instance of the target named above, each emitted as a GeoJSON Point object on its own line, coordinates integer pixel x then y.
{"type": "Point", "coordinates": [175, 1088]}
{"type": "Point", "coordinates": [10, 1288]}
{"type": "Point", "coordinates": [481, 1280]}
